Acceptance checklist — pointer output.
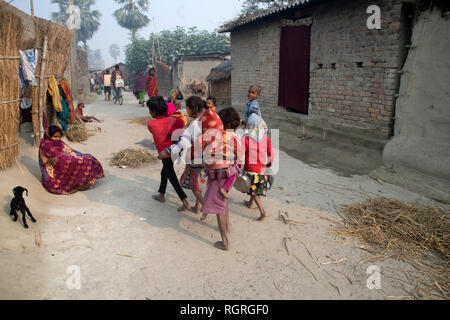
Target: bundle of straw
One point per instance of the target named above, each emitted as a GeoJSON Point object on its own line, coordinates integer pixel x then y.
{"type": "Point", "coordinates": [418, 235]}
{"type": "Point", "coordinates": [132, 157]}
{"type": "Point", "coordinates": [77, 131]}
{"type": "Point", "coordinates": [11, 29]}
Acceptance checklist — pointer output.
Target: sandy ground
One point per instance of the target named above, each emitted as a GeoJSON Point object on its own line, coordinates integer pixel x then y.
{"type": "Point", "coordinates": [130, 247]}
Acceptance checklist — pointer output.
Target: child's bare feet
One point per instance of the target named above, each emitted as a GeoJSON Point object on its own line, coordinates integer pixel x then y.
{"type": "Point", "coordinates": [185, 206]}
{"type": "Point", "coordinates": [195, 209]}
{"type": "Point", "coordinates": [159, 197]}
{"type": "Point", "coordinates": [249, 204]}
{"type": "Point", "coordinates": [263, 216]}
{"type": "Point", "coordinates": [204, 216]}
{"type": "Point", "coordinates": [224, 193]}
{"type": "Point", "coordinates": [220, 245]}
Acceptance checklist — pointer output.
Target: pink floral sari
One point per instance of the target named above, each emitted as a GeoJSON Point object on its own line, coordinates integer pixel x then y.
{"type": "Point", "coordinates": [66, 171]}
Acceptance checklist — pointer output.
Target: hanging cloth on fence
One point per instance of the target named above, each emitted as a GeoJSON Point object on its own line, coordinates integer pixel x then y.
{"type": "Point", "coordinates": [53, 90]}
{"type": "Point", "coordinates": [66, 88]}
{"type": "Point", "coordinates": [23, 83]}
{"type": "Point", "coordinates": [28, 60]}
{"type": "Point", "coordinates": [26, 103]}
{"type": "Point", "coordinates": [64, 115]}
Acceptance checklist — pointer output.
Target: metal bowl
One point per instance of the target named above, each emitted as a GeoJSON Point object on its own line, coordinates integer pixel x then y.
{"type": "Point", "coordinates": [242, 183]}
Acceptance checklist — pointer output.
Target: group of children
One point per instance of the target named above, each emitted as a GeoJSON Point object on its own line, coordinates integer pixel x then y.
{"type": "Point", "coordinates": [215, 149]}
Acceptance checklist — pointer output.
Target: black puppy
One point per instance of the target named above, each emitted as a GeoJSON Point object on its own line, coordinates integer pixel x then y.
{"type": "Point", "coordinates": [18, 203]}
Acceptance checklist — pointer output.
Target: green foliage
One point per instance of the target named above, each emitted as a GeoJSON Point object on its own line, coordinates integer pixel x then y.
{"type": "Point", "coordinates": [138, 54]}
{"type": "Point", "coordinates": [181, 41]}
{"type": "Point", "coordinates": [130, 16]}
{"type": "Point", "coordinates": [90, 19]}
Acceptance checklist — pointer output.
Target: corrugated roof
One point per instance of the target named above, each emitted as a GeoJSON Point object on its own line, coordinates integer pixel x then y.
{"type": "Point", "coordinates": [226, 66]}
{"type": "Point", "coordinates": [231, 26]}
{"type": "Point", "coordinates": [222, 71]}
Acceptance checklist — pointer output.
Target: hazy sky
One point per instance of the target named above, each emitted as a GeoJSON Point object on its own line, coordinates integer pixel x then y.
{"type": "Point", "coordinates": [167, 14]}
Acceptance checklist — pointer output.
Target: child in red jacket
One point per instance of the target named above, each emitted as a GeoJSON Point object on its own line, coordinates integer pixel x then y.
{"type": "Point", "coordinates": [162, 128]}
{"type": "Point", "coordinates": [258, 156]}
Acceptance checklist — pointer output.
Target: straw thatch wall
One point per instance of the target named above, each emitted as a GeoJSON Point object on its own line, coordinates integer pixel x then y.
{"type": "Point", "coordinates": [19, 31]}
{"type": "Point", "coordinates": [11, 29]}
{"type": "Point", "coordinates": [59, 41]}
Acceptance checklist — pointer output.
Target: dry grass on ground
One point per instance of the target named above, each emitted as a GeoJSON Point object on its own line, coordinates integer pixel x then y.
{"type": "Point", "coordinates": [132, 157]}
{"type": "Point", "coordinates": [417, 235]}
{"type": "Point", "coordinates": [77, 131]}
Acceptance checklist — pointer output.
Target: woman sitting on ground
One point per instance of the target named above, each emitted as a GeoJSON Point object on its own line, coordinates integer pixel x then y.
{"type": "Point", "coordinates": [64, 170]}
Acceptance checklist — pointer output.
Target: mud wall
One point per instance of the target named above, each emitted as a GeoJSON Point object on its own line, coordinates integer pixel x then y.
{"type": "Point", "coordinates": [422, 128]}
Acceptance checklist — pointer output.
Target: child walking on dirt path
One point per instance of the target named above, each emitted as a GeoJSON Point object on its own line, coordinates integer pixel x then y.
{"type": "Point", "coordinates": [258, 156]}
{"type": "Point", "coordinates": [162, 128]}
{"type": "Point", "coordinates": [192, 175]}
{"type": "Point", "coordinates": [231, 121]}
{"type": "Point", "coordinates": [219, 168]}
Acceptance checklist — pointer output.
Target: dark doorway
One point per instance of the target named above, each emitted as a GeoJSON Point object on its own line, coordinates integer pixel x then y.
{"type": "Point", "coordinates": [293, 88]}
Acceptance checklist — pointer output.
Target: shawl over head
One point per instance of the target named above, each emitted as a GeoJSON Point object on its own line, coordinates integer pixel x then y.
{"type": "Point", "coordinates": [256, 127]}
{"type": "Point", "coordinates": [171, 109]}
{"type": "Point", "coordinates": [211, 120]}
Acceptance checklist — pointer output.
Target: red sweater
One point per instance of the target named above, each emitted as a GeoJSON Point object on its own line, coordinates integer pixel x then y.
{"type": "Point", "coordinates": [79, 111]}
{"type": "Point", "coordinates": [257, 154]}
{"type": "Point", "coordinates": [162, 128]}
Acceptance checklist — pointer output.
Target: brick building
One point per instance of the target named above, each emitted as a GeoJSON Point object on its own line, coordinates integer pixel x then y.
{"type": "Point", "coordinates": [337, 73]}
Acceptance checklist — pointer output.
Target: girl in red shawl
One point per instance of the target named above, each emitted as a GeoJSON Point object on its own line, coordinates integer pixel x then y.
{"type": "Point", "coordinates": [152, 83]}
{"type": "Point", "coordinates": [64, 170]}
{"type": "Point", "coordinates": [222, 150]}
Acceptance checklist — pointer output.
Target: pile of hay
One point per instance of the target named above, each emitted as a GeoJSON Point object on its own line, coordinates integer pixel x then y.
{"type": "Point", "coordinates": [132, 157]}
{"type": "Point", "coordinates": [77, 131]}
{"type": "Point", "coordinates": [416, 235]}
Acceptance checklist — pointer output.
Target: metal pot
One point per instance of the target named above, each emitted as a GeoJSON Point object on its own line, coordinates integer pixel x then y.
{"type": "Point", "coordinates": [242, 183]}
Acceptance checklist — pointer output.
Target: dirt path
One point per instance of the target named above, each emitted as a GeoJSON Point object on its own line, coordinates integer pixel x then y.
{"type": "Point", "coordinates": [130, 247]}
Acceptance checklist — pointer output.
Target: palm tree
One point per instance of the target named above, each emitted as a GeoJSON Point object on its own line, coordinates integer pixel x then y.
{"type": "Point", "coordinates": [90, 19]}
{"type": "Point", "coordinates": [130, 16]}
{"type": "Point", "coordinates": [114, 51]}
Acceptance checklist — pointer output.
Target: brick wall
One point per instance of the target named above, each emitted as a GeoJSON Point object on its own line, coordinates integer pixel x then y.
{"type": "Point", "coordinates": [359, 91]}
